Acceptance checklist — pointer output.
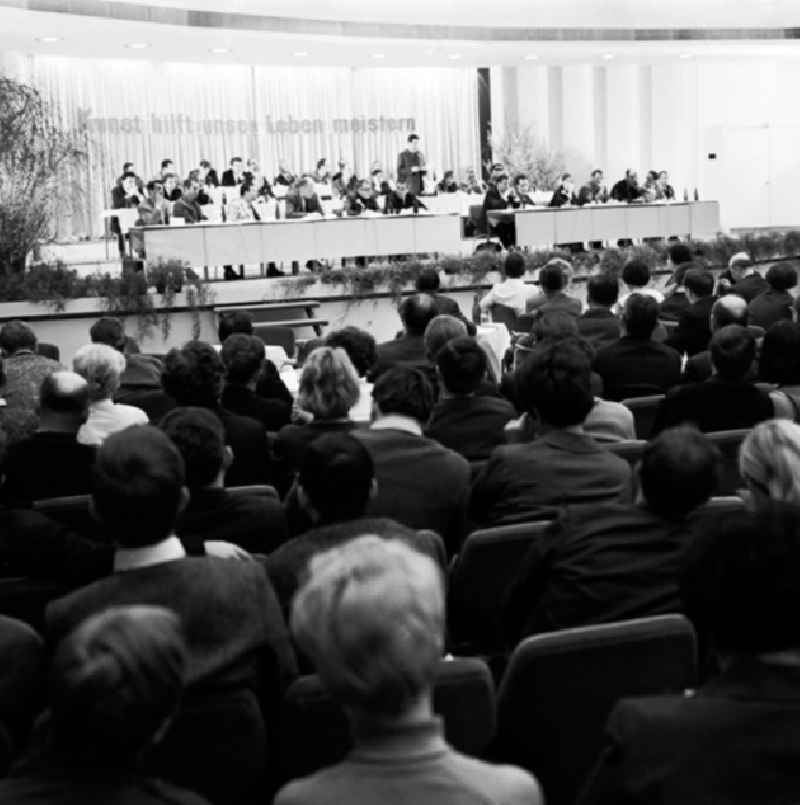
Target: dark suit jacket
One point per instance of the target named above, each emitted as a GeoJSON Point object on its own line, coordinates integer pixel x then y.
{"type": "Point", "coordinates": [120, 202]}
{"type": "Point", "coordinates": [598, 564]}
{"type": "Point", "coordinates": [750, 286]}
{"type": "Point", "coordinates": [405, 161]}
{"type": "Point", "coordinates": [420, 483]}
{"type": "Point", "coordinates": [212, 178]}
{"type": "Point", "coordinates": [273, 414]}
{"type": "Point", "coordinates": [447, 305]}
{"type": "Point", "coordinates": [622, 191]}
{"type": "Point", "coordinates": [770, 306]}
{"type": "Point", "coordinates": [694, 329]}
{"type": "Point", "coordinates": [736, 739]}
{"type": "Point", "coordinates": [714, 405]}
{"type": "Point", "coordinates": [600, 327]}
{"type": "Point", "coordinates": [698, 368]}
{"type": "Point", "coordinates": [256, 524]}
{"type": "Point", "coordinates": [560, 197]}
{"type": "Point", "coordinates": [189, 211]}
{"type": "Point", "coordinates": [638, 366]}
{"type": "Point", "coordinates": [293, 440]}
{"type": "Point", "coordinates": [472, 426]}
{"type": "Point", "coordinates": [533, 480]}
{"type": "Point", "coordinates": [297, 206]}
{"type": "Point", "coordinates": [252, 463]}
{"type": "Point", "coordinates": [408, 349]}
{"type": "Point", "coordinates": [228, 180]}
{"type": "Point", "coordinates": [674, 305]}
{"type": "Point", "coordinates": [492, 201]}
{"type": "Point", "coordinates": [396, 203]}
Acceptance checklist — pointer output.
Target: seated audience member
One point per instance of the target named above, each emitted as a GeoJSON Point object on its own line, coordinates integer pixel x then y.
{"type": "Point", "coordinates": [768, 460]}
{"type": "Point", "coordinates": [101, 367]}
{"type": "Point", "coordinates": [243, 357]}
{"type": "Point", "coordinates": [563, 465]}
{"type": "Point", "coordinates": [463, 419]}
{"type": "Point", "coordinates": [415, 312]}
{"type": "Point", "coordinates": [193, 376]}
{"type": "Point", "coordinates": [617, 561]}
{"type": "Point", "coordinates": [187, 206]}
{"type": "Point", "coordinates": [675, 300]}
{"type": "Point", "coordinates": [334, 487]}
{"type": "Point", "coordinates": [362, 351]}
{"type": "Point", "coordinates": [141, 372]}
{"type": "Point", "coordinates": [598, 325]}
{"type": "Point", "coordinates": [420, 483]}
{"type": "Point", "coordinates": [779, 364]}
{"type": "Point", "coordinates": [21, 378]}
{"type": "Point", "coordinates": [51, 462]}
{"type": "Point", "coordinates": [636, 365]}
{"type": "Point", "coordinates": [728, 399]}
{"type": "Point", "coordinates": [554, 279]}
{"type": "Point", "coordinates": [636, 276]}
{"type": "Point", "coordinates": [302, 199]}
{"type": "Point", "coordinates": [693, 331]}
{"type": "Point", "coordinates": [440, 331]}
{"type": "Point", "coordinates": [513, 291]}
{"type": "Point", "coordinates": [728, 309]}
{"type": "Point", "coordinates": [776, 302]}
{"type": "Point", "coordinates": [239, 655]}
{"type": "Point", "coordinates": [733, 739]}
{"type": "Point", "coordinates": [115, 683]}
{"type": "Point", "coordinates": [371, 617]}
{"type": "Point", "coordinates": [213, 514]}
{"type": "Point", "coordinates": [428, 282]}
{"type": "Point", "coordinates": [743, 278]}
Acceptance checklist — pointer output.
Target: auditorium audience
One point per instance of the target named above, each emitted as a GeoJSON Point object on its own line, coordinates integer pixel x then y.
{"type": "Point", "coordinates": [779, 364]}
{"type": "Point", "coordinates": [563, 464]}
{"type": "Point", "coordinates": [428, 282]}
{"type": "Point", "coordinates": [239, 655]}
{"type": "Point", "coordinates": [371, 617]}
{"type": "Point", "coordinates": [636, 277]}
{"type": "Point", "coordinates": [728, 309]}
{"type": "Point", "coordinates": [693, 331]}
{"type": "Point", "coordinates": [101, 367]}
{"type": "Point", "coordinates": [362, 351]}
{"type": "Point", "coordinates": [617, 561]}
{"type": "Point", "coordinates": [254, 522]}
{"type": "Point", "coordinates": [22, 375]}
{"type": "Point", "coordinates": [743, 277]}
{"type": "Point", "coordinates": [775, 303]}
{"type": "Point", "coordinates": [554, 278]}
{"type": "Point", "coordinates": [598, 325]}
{"type": "Point", "coordinates": [636, 365]}
{"type": "Point", "coordinates": [733, 739]}
{"type": "Point", "coordinates": [420, 483]}
{"type": "Point", "coordinates": [513, 292]}
{"type": "Point", "coordinates": [728, 399]}
{"type": "Point", "coordinates": [193, 376]}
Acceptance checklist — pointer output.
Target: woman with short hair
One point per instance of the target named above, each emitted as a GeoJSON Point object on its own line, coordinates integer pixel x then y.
{"type": "Point", "coordinates": [769, 463]}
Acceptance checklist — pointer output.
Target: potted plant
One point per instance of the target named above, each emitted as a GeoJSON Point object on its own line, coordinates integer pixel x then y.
{"type": "Point", "coordinates": [167, 276]}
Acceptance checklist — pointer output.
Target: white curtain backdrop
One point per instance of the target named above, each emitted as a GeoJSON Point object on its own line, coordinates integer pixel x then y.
{"type": "Point", "coordinates": [144, 112]}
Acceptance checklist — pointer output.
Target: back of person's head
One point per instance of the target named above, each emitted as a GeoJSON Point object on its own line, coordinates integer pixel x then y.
{"type": "Point", "coordinates": [428, 280]}
{"type": "Point", "coordinates": [358, 344]}
{"type": "Point", "coordinates": [16, 335]}
{"type": "Point", "coordinates": [554, 276]}
{"type": "Point", "coordinates": [243, 357]}
{"type": "Point", "coordinates": [602, 289]}
{"type": "Point", "coordinates": [306, 348]}
{"type": "Point", "coordinates": [336, 478]}
{"type": "Point", "coordinates": [679, 253]}
{"type": "Point", "coordinates": [65, 394]}
{"type": "Point", "coordinates": [782, 276]}
{"type": "Point", "coordinates": [115, 681]}
{"type": "Point", "coordinates": [101, 366]}
{"type": "Point", "coordinates": [555, 382]}
{"type": "Point", "coordinates": [729, 309]}
{"type": "Point", "coordinates": [371, 618]}
{"type": "Point", "coordinates": [636, 273]}
{"type": "Point", "coordinates": [779, 361]}
{"type": "Point", "coordinates": [200, 438]}
{"type": "Point", "coordinates": [462, 365]}
{"type": "Point", "coordinates": [109, 331]}
{"type": "Point", "coordinates": [769, 462]}
{"type": "Point", "coordinates": [440, 330]}
{"type": "Point", "coordinates": [733, 350]}
{"type": "Point", "coordinates": [554, 325]}
{"type": "Point", "coordinates": [678, 471]}
{"type": "Point", "coordinates": [640, 316]}
{"type": "Point", "coordinates": [699, 281]}
{"type": "Point", "coordinates": [405, 391]}
{"type": "Point", "coordinates": [138, 488]}
{"type": "Point", "coordinates": [514, 266]}
{"type": "Point", "coordinates": [194, 374]}
{"type": "Point", "coordinates": [234, 321]}
{"type": "Point", "coordinates": [416, 311]}
{"type": "Point", "coordinates": [329, 385]}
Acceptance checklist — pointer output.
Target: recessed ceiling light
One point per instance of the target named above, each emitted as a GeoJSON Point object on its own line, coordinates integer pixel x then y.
{"type": "Point", "coordinates": [531, 57]}
{"type": "Point", "coordinates": [686, 55]}
{"type": "Point", "coordinates": [378, 56]}
{"type": "Point", "coordinates": [220, 50]}
{"type": "Point", "coordinates": [454, 56]}
{"type": "Point", "coordinates": [301, 53]}
{"type": "Point", "coordinates": [137, 45]}
{"type": "Point", "coordinates": [608, 56]}
{"type": "Point", "coordinates": [48, 39]}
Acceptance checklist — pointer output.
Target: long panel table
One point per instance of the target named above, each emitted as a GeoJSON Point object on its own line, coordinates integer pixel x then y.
{"type": "Point", "coordinates": [609, 222]}
{"type": "Point", "coordinates": [212, 244]}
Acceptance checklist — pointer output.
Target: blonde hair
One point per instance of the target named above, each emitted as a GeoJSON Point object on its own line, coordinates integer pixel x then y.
{"type": "Point", "coordinates": [769, 460]}
{"type": "Point", "coordinates": [101, 367]}
{"type": "Point", "coordinates": [329, 385]}
{"type": "Point", "coordinates": [371, 618]}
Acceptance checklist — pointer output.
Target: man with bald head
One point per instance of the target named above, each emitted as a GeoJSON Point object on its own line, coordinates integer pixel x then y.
{"type": "Point", "coordinates": [50, 463]}
{"type": "Point", "coordinates": [743, 277]}
{"type": "Point", "coordinates": [728, 309]}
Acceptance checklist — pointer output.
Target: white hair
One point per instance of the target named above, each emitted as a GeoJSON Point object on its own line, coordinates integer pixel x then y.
{"type": "Point", "coordinates": [101, 367]}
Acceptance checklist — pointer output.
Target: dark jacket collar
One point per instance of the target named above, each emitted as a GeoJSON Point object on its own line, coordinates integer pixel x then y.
{"type": "Point", "coordinates": [570, 442]}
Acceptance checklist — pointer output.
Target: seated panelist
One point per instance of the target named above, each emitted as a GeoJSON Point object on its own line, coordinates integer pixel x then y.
{"type": "Point", "coordinates": [448, 183]}
{"type": "Point", "coordinates": [187, 206]}
{"type": "Point", "coordinates": [303, 199]}
{"type": "Point", "coordinates": [244, 207]}
{"type": "Point", "coordinates": [564, 192]}
{"type": "Point", "coordinates": [361, 200]}
{"type": "Point", "coordinates": [520, 192]}
{"type": "Point", "coordinates": [402, 199]}
{"type": "Point", "coordinates": [235, 174]}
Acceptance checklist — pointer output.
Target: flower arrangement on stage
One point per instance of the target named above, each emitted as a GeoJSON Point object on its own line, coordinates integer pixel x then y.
{"type": "Point", "coordinates": [522, 151]}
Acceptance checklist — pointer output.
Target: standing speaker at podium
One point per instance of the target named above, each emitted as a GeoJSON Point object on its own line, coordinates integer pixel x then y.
{"type": "Point", "coordinates": [411, 166]}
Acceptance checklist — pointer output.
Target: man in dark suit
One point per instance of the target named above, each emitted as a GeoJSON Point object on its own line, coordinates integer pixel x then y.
{"type": "Point", "coordinates": [563, 465]}
{"type": "Point", "coordinates": [428, 282]}
{"type": "Point", "coordinates": [776, 302]}
{"type": "Point", "coordinates": [675, 301]}
{"type": "Point", "coordinates": [302, 200]}
{"type": "Point", "coordinates": [187, 206]}
{"type": "Point", "coordinates": [742, 278]}
{"type": "Point", "coordinates": [726, 401]}
{"type": "Point", "coordinates": [411, 165]}
{"type": "Point", "coordinates": [495, 199]}
{"type": "Point", "coordinates": [124, 196]}
{"type": "Point", "coordinates": [593, 192]}
{"type": "Point", "coordinates": [208, 175]}
{"type": "Point", "coordinates": [239, 653]}
{"type": "Point", "coordinates": [598, 325]}
{"type": "Point", "coordinates": [636, 365]}
{"type": "Point", "coordinates": [693, 331]}
{"type": "Point", "coordinates": [420, 483]}
{"type": "Point", "coordinates": [628, 189]}
{"type": "Point", "coordinates": [235, 174]}
{"type": "Point", "coordinates": [613, 562]}
{"type": "Point", "coordinates": [463, 419]}
{"type": "Point", "coordinates": [401, 199]}
{"type": "Point", "coordinates": [415, 312]}
{"type": "Point", "coordinates": [735, 739]}
{"type": "Point", "coordinates": [728, 309]}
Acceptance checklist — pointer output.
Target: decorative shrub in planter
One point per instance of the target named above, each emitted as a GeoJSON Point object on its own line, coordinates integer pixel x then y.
{"type": "Point", "coordinates": [167, 276]}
